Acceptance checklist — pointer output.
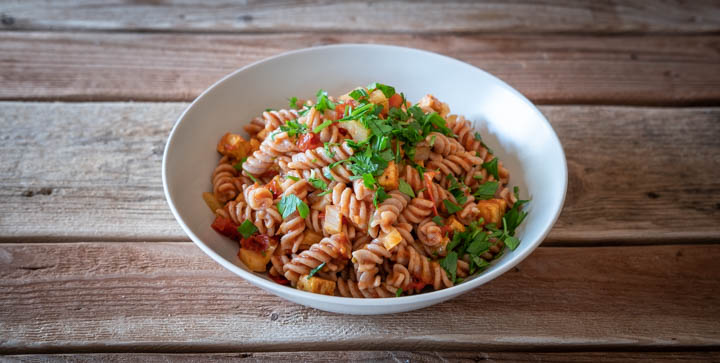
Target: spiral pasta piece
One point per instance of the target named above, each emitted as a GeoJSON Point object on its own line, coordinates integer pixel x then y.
{"type": "Point", "coordinates": [429, 233]}
{"type": "Point", "coordinates": [457, 164]}
{"type": "Point", "coordinates": [319, 157]}
{"type": "Point", "coordinates": [387, 212]}
{"type": "Point", "coordinates": [417, 209]}
{"type": "Point", "coordinates": [349, 288]}
{"type": "Point", "coordinates": [266, 220]}
{"type": "Point", "coordinates": [366, 262]}
{"type": "Point", "coordinates": [293, 226]}
{"type": "Point", "coordinates": [333, 251]}
{"type": "Point", "coordinates": [270, 149]}
{"type": "Point", "coordinates": [258, 197]}
{"type": "Point", "coordinates": [444, 145]}
{"type": "Point", "coordinates": [225, 186]}
{"type": "Point", "coordinates": [356, 211]}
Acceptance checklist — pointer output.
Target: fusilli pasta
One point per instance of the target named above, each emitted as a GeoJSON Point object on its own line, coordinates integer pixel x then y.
{"type": "Point", "coordinates": [364, 196]}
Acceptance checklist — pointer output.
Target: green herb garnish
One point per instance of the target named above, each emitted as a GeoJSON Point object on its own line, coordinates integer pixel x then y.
{"type": "Point", "coordinates": [438, 220]}
{"type": "Point", "coordinates": [487, 190]}
{"type": "Point", "coordinates": [449, 263]}
{"type": "Point", "coordinates": [293, 178]}
{"type": "Point", "coordinates": [492, 168]}
{"type": "Point", "coordinates": [388, 91]}
{"type": "Point", "coordinates": [238, 165]}
{"type": "Point", "coordinates": [289, 203]}
{"type": "Point", "coordinates": [315, 270]}
{"type": "Point", "coordinates": [452, 208]}
{"type": "Point", "coordinates": [247, 229]}
{"type": "Point", "coordinates": [405, 188]}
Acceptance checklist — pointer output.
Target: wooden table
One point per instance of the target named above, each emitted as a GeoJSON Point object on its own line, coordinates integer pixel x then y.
{"type": "Point", "coordinates": [93, 263]}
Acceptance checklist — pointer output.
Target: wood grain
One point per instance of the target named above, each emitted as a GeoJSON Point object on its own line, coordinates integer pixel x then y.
{"type": "Point", "coordinates": [620, 16]}
{"type": "Point", "coordinates": [376, 356]}
{"type": "Point", "coordinates": [628, 70]}
{"type": "Point", "coordinates": [91, 171]}
{"type": "Point", "coordinates": [169, 297]}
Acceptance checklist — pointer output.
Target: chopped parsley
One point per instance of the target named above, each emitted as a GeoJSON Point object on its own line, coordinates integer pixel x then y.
{"type": "Point", "coordinates": [456, 189]}
{"type": "Point", "coordinates": [293, 103]}
{"type": "Point", "coordinates": [449, 263]}
{"type": "Point", "coordinates": [358, 94]}
{"type": "Point", "coordinates": [293, 178]}
{"type": "Point", "coordinates": [386, 90]}
{"type": "Point", "coordinates": [487, 190]}
{"type": "Point", "coordinates": [239, 164]}
{"type": "Point", "coordinates": [293, 128]}
{"type": "Point", "coordinates": [452, 208]}
{"type": "Point", "coordinates": [438, 220]}
{"type": "Point", "coordinates": [323, 125]}
{"type": "Point", "coordinates": [247, 229]}
{"type": "Point", "coordinates": [289, 203]}
{"type": "Point", "coordinates": [368, 180]}
{"type": "Point", "coordinates": [252, 178]}
{"type": "Point", "coordinates": [315, 270]}
{"type": "Point", "coordinates": [379, 196]}
{"type": "Point", "coordinates": [323, 102]}
{"type": "Point", "coordinates": [492, 168]}
{"type": "Point", "coordinates": [405, 188]}
{"type": "Point", "coordinates": [398, 292]}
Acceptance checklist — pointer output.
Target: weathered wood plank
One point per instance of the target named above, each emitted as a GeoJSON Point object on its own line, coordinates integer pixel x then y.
{"type": "Point", "coordinates": [91, 171]}
{"type": "Point", "coordinates": [665, 70]}
{"type": "Point", "coordinates": [375, 356]}
{"type": "Point", "coordinates": [360, 16]}
{"type": "Point", "coordinates": [165, 297]}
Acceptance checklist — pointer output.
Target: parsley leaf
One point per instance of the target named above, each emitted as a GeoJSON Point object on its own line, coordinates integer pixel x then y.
{"type": "Point", "coordinates": [323, 102]}
{"type": "Point", "coordinates": [318, 183]}
{"type": "Point", "coordinates": [239, 164]}
{"type": "Point", "coordinates": [452, 208]}
{"type": "Point", "coordinates": [511, 242]}
{"type": "Point", "coordinates": [315, 270]}
{"type": "Point", "coordinates": [398, 292]}
{"type": "Point", "coordinates": [369, 181]}
{"type": "Point", "coordinates": [247, 229]}
{"type": "Point", "coordinates": [293, 178]}
{"type": "Point", "coordinates": [293, 102]}
{"type": "Point", "coordinates": [438, 220]}
{"type": "Point", "coordinates": [293, 128]}
{"type": "Point", "coordinates": [362, 164]}
{"type": "Point", "coordinates": [432, 140]}
{"type": "Point", "coordinates": [456, 189]}
{"type": "Point", "coordinates": [449, 263]}
{"type": "Point", "coordinates": [478, 137]}
{"type": "Point", "coordinates": [487, 190]}
{"type": "Point", "coordinates": [406, 188]}
{"type": "Point", "coordinates": [492, 168]}
{"type": "Point", "coordinates": [379, 196]}
{"type": "Point", "coordinates": [357, 94]}
{"type": "Point", "coordinates": [323, 125]}
{"type": "Point", "coordinates": [388, 91]}
{"type": "Point", "coordinates": [289, 203]}
{"type": "Point", "coordinates": [329, 151]}
{"type": "Point", "coordinates": [252, 178]}
{"type": "Point", "coordinates": [514, 217]}
{"type": "Point", "coordinates": [480, 263]}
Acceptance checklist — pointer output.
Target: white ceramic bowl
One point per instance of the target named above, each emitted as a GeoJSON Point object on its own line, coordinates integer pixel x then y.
{"type": "Point", "coordinates": [519, 134]}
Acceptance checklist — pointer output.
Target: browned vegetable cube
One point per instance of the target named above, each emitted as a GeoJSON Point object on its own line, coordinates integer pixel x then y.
{"type": "Point", "coordinates": [389, 178]}
{"type": "Point", "coordinates": [316, 285]}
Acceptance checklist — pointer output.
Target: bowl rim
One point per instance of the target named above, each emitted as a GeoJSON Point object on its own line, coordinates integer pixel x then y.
{"type": "Point", "coordinates": [437, 295]}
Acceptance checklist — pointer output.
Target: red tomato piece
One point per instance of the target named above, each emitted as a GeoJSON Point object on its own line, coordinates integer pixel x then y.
{"type": "Point", "coordinates": [280, 280]}
{"type": "Point", "coordinates": [225, 226]}
{"type": "Point", "coordinates": [258, 242]}
{"type": "Point", "coordinates": [395, 100]}
{"type": "Point", "coordinates": [416, 285]}
{"type": "Point", "coordinates": [309, 141]}
{"type": "Point", "coordinates": [274, 188]}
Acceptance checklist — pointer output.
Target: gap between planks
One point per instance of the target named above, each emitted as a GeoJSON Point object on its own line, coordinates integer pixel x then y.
{"type": "Point", "coordinates": [661, 71]}
{"type": "Point", "coordinates": [168, 297]}
{"type": "Point", "coordinates": [535, 17]}
{"type": "Point", "coordinates": [102, 179]}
